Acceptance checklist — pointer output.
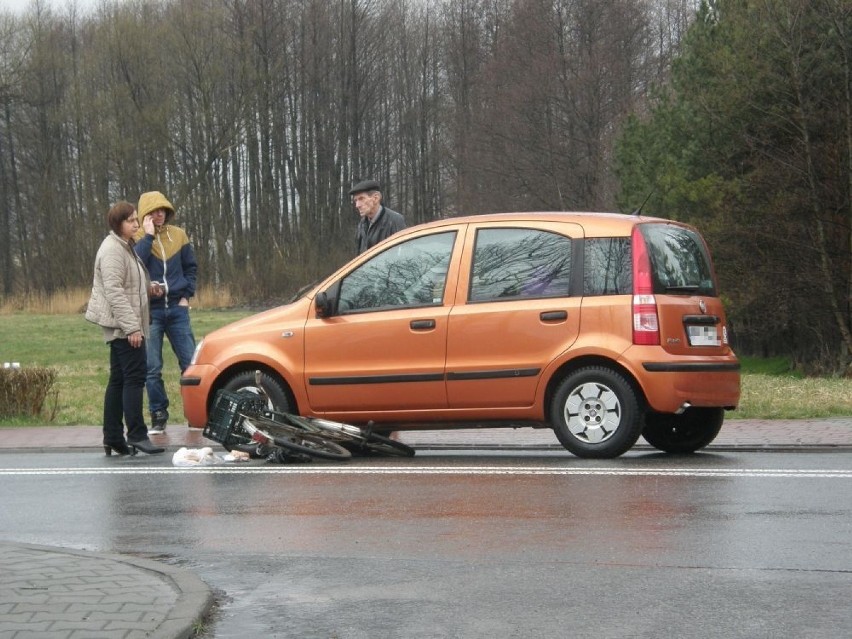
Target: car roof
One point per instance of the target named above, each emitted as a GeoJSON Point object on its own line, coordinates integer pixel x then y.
{"type": "Point", "coordinates": [593, 223]}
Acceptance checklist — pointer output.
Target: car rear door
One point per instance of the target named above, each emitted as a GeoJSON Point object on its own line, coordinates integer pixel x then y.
{"type": "Point", "coordinates": [514, 312]}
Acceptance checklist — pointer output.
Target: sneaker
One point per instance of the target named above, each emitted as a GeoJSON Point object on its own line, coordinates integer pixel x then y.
{"type": "Point", "coordinates": [158, 422]}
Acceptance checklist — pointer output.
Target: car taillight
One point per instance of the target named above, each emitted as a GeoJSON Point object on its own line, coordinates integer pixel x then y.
{"type": "Point", "coordinates": [646, 325]}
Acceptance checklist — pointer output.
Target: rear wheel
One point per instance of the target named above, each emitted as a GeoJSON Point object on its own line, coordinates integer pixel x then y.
{"type": "Point", "coordinates": [366, 443]}
{"type": "Point", "coordinates": [596, 413]}
{"type": "Point", "coordinates": [296, 439]}
{"type": "Point", "coordinates": [692, 430]}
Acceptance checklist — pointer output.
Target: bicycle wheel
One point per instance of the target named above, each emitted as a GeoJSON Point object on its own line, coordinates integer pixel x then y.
{"type": "Point", "coordinates": [356, 439]}
{"type": "Point", "coordinates": [336, 431]}
{"type": "Point", "coordinates": [293, 437]}
{"type": "Point", "coordinates": [382, 445]}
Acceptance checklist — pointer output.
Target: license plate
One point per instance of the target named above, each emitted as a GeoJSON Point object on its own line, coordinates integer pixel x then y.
{"type": "Point", "coordinates": [703, 336]}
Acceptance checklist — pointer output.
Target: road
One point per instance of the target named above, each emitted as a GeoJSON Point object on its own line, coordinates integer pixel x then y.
{"type": "Point", "coordinates": [471, 544]}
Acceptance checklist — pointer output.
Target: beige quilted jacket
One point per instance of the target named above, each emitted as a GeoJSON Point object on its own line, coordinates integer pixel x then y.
{"type": "Point", "coordinates": [119, 301]}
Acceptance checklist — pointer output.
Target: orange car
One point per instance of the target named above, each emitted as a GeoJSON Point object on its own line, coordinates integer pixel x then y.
{"type": "Point", "coordinates": [603, 327]}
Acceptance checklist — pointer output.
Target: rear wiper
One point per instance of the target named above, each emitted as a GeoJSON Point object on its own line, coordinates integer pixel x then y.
{"type": "Point", "coordinates": [682, 288]}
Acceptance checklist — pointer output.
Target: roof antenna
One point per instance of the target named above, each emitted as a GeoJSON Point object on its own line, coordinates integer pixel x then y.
{"type": "Point", "coordinates": [647, 197]}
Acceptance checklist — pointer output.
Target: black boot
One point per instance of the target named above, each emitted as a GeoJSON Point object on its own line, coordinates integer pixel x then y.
{"type": "Point", "coordinates": [145, 446]}
{"type": "Point", "coordinates": [120, 448]}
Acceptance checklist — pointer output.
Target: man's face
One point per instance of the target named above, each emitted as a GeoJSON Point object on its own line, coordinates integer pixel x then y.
{"type": "Point", "coordinates": [158, 216]}
{"type": "Point", "coordinates": [367, 203]}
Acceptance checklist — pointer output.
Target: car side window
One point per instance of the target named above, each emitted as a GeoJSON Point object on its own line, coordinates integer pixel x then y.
{"type": "Point", "coordinates": [409, 274]}
{"type": "Point", "coordinates": [608, 266]}
{"type": "Point", "coordinates": [517, 263]}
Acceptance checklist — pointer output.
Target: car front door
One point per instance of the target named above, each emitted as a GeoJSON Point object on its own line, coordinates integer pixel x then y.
{"type": "Point", "coordinates": [384, 345]}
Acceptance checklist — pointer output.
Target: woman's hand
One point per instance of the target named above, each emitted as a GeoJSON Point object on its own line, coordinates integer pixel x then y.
{"type": "Point", "coordinates": [155, 289]}
{"type": "Point", "coordinates": [135, 339]}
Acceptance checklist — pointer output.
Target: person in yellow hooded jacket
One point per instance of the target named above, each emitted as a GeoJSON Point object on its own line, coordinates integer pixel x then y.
{"type": "Point", "coordinates": [168, 255]}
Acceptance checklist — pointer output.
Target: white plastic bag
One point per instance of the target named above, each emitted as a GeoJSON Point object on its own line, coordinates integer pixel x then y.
{"type": "Point", "coordinates": [196, 457]}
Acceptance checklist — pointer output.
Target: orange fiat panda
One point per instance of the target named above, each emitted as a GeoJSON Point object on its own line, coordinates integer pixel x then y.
{"type": "Point", "coordinates": [601, 326]}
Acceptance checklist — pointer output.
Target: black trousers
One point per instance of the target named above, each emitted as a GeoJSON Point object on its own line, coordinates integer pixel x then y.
{"type": "Point", "coordinates": [128, 367]}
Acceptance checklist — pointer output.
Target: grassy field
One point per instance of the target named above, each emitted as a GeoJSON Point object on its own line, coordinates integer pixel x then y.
{"type": "Point", "coordinates": [74, 348]}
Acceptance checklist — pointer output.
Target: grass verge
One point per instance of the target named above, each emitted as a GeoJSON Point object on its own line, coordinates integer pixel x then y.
{"type": "Point", "coordinates": [76, 350]}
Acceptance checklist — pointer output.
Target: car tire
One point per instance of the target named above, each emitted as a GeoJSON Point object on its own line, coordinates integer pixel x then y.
{"type": "Point", "coordinates": [692, 430]}
{"type": "Point", "coordinates": [596, 413]}
{"type": "Point", "coordinates": [274, 387]}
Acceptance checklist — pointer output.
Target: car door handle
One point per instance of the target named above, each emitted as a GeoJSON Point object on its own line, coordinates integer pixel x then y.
{"type": "Point", "coordinates": [422, 325]}
{"type": "Point", "coordinates": [553, 316]}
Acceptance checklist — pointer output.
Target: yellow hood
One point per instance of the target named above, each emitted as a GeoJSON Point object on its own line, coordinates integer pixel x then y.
{"type": "Point", "coordinates": [151, 201]}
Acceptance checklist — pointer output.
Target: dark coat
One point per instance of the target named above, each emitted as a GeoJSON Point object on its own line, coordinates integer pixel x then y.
{"type": "Point", "coordinates": [385, 224]}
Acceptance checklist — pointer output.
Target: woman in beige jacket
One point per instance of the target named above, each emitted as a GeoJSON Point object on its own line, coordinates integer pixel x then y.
{"type": "Point", "coordinates": [119, 305]}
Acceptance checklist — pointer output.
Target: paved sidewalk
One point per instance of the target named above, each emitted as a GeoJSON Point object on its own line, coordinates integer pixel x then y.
{"type": "Point", "coordinates": [56, 593]}
{"type": "Point", "coordinates": [736, 433]}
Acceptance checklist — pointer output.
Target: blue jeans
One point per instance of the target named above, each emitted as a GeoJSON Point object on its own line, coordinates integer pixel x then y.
{"type": "Point", "coordinates": [173, 322]}
{"type": "Point", "coordinates": [123, 396]}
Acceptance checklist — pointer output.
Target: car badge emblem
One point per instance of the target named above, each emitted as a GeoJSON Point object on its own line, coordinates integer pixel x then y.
{"type": "Point", "coordinates": [702, 306]}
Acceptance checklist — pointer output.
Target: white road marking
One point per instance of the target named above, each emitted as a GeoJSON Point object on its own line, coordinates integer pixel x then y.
{"type": "Point", "coordinates": [438, 470]}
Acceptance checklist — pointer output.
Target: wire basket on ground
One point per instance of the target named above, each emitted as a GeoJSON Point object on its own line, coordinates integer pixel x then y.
{"type": "Point", "coordinates": [225, 424]}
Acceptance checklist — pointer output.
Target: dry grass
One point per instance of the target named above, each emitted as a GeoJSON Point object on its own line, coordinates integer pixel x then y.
{"type": "Point", "coordinates": [788, 397]}
{"type": "Point", "coordinates": [25, 391]}
{"type": "Point", "coordinates": [73, 300]}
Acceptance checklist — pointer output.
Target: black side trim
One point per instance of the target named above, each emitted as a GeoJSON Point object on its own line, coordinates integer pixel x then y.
{"type": "Point", "coordinates": [690, 367]}
{"type": "Point", "coordinates": [515, 372]}
{"type": "Point", "coordinates": [190, 381]}
{"type": "Point", "coordinates": [375, 379]}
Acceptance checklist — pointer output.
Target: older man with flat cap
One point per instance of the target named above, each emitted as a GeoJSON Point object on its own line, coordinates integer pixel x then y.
{"type": "Point", "coordinates": [377, 222]}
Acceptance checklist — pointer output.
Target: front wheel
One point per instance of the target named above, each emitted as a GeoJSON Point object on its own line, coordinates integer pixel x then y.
{"type": "Point", "coordinates": [693, 429]}
{"type": "Point", "coordinates": [596, 413]}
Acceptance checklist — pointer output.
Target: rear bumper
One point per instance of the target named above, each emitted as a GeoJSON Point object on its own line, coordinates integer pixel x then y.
{"type": "Point", "coordinates": [668, 386]}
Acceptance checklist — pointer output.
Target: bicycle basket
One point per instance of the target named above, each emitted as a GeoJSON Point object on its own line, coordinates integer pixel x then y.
{"type": "Point", "coordinates": [225, 424]}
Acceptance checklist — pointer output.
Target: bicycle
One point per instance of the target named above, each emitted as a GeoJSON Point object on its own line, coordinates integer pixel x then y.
{"type": "Point", "coordinates": [245, 421]}
{"type": "Point", "coordinates": [241, 421]}
{"type": "Point", "coordinates": [352, 438]}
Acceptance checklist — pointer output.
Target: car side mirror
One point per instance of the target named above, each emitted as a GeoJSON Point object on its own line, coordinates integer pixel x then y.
{"type": "Point", "coordinates": [323, 305]}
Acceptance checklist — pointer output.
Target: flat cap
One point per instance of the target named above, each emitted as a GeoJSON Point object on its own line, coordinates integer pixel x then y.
{"type": "Point", "coordinates": [365, 185]}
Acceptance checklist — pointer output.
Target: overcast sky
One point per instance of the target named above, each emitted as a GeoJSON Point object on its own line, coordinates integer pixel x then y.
{"type": "Point", "coordinates": [20, 6]}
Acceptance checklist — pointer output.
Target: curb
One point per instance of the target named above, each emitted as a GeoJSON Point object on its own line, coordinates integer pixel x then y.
{"type": "Point", "coordinates": [194, 598]}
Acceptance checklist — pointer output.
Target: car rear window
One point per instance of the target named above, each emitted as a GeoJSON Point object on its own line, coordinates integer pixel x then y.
{"type": "Point", "coordinates": [679, 260]}
{"type": "Point", "coordinates": [510, 263]}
